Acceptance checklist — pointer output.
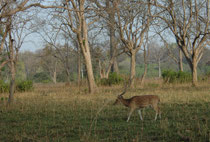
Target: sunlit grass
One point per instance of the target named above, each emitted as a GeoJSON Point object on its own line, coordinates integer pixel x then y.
{"type": "Point", "coordinates": [61, 113]}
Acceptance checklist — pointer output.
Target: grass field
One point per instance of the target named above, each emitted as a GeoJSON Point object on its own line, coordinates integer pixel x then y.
{"type": "Point", "coordinates": [59, 113]}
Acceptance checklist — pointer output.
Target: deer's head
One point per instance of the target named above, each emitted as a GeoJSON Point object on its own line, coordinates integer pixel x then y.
{"type": "Point", "coordinates": [119, 98]}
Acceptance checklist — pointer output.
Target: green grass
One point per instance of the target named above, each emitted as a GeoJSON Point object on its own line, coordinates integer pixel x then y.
{"type": "Point", "coordinates": [55, 113]}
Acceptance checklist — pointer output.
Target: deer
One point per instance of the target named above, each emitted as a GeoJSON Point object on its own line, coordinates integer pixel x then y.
{"type": "Point", "coordinates": [139, 102]}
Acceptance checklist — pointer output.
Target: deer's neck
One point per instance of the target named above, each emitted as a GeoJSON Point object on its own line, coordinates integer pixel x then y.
{"type": "Point", "coordinates": [125, 102]}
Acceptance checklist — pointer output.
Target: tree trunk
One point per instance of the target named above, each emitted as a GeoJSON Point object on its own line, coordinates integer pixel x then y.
{"type": "Point", "coordinates": [12, 70]}
{"type": "Point", "coordinates": [115, 64]}
{"type": "Point", "coordinates": [159, 68]}
{"type": "Point", "coordinates": [180, 61]}
{"type": "Point", "coordinates": [54, 77]}
{"type": "Point", "coordinates": [144, 75]}
{"type": "Point", "coordinates": [192, 62]}
{"type": "Point", "coordinates": [114, 67]}
{"type": "Point", "coordinates": [68, 75]}
{"type": "Point", "coordinates": [90, 76]}
{"type": "Point", "coordinates": [194, 72]}
{"type": "Point", "coordinates": [12, 83]}
{"type": "Point", "coordinates": [101, 70]}
{"type": "Point", "coordinates": [78, 66]}
{"type": "Point", "coordinates": [113, 44]}
{"type": "Point", "coordinates": [84, 45]}
{"type": "Point", "coordinates": [145, 67]}
{"type": "Point", "coordinates": [133, 69]}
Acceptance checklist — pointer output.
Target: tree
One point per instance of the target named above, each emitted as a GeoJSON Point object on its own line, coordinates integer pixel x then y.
{"type": "Point", "coordinates": [171, 53]}
{"type": "Point", "coordinates": [132, 23]}
{"type": "Point", "coordinates": [108, 12]}
{"type": "Point", "coordinates": [13, 25]}
{"type": "Point", "coordinates": [189, 23]}
{"type": "Point", "coordinates": [146, 53]}
{"type": "Point", "coordinates": [49, 62]}
{"type": "Point", "coordinates": [17, 34]}
{"type": "Point", "coordinates": [76, 20]}
{"type": "Point", "coordinates": [157, 54]}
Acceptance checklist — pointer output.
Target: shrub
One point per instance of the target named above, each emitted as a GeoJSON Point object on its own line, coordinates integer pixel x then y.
{"type": "Point", "coordinates": [104, 81]}
{"type": "Point", "coordinates": [113, 78]}
{"type": "Point", "coordinates": [41, 77]}
{"type": "Point", "coordinates": [4, 87]}
{"type": "Point", "coordinates": [184, 77]}
{"type": "Point", "coordinates": [170, 76]}
{"type": "Point", "coordinates": [206, 76]}
{"type": "Point", "coordinates": [23, 86]}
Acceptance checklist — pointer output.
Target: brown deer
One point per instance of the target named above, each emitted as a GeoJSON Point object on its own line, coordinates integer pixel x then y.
{"type": "Point", "coordinates": [139, 102]}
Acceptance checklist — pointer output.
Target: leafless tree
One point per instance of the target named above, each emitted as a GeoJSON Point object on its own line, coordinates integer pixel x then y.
{"type": "Point", "coordinates": [107, 10]}
{"type": "Point", "coordinates": [189, 23]}
{"type": "Point", "coordinates": [157, 55]}
{"type": "Point", "coordinates": [146, 53]}
{"type": "Point", "coordinates": [13, 25]}
{"type": "Point", "coordinates": [133, 22]}
{"type": "Point", "coordinates": [74, 14]}
{"type": "Point", "coordinates": [50, 62]}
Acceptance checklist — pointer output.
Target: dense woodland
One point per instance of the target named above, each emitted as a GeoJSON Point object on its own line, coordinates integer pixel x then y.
{"type": "Point", "coordinates": [89, 39]}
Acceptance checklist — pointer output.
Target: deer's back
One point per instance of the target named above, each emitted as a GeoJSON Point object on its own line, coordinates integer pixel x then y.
{"type": "Point", "coordinates": [145, 100]}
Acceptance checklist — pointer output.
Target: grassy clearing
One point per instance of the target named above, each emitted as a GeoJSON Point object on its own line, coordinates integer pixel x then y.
{"type": "Point", "coordinates": [59, 113]}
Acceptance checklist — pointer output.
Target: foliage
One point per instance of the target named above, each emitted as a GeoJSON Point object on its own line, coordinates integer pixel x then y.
{"type": "Point", "coordinates": [26, 85]}
{"type": "Point", "coordinates": [184, 77]}
{"type": "Point", "coordinates": [114, 78]}
{"type": "Point", "coordinates": [20, 74]}
{"type": "Point", "coordinates": [170, 76]}
{"type": "Point", "coordinates": [42, 77]}
{"type": "Point", "coordinates": [206, 76]}
{"type": "Point", "coordinates": [22, 86]}
{"type": "Point", "coordinates": [4, 87]}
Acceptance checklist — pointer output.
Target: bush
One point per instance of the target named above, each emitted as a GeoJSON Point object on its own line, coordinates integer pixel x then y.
{"type": "Point", "coordinates": [206, 76]}
{"type": "Point", "coordinates": [41, 77]}
{"type": "Point", "coordinates": [23, 86]}
{"type": "Point", "coordinates": [114, 78]}
{"type": "Point", "coordinates": [184, 77]}
{"type": "Point", "coordinates": [4, 87]}
{"type": "Point", "coordinates": [170, 76]}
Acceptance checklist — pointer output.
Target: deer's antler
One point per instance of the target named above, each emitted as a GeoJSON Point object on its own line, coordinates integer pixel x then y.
{"type": "Point", "coordinates": [126, 85]}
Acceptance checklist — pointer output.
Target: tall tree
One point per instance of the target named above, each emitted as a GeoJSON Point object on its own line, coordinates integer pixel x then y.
{"type": "Point", "coordinates": [107, 14]}
{"type": "Point", "coordinates": [77, 22]}
{"type": "Point", "coordinates": [189, 23]}
{"type": "Point", "coordinates": [13, 25]}
{"type": "Point", "coordinates": [133, 23]}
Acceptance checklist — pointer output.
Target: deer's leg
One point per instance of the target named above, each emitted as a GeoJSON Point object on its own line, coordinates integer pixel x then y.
{"type": "Point", "coordinates": [156, 108]}
{"type": "Point", "coordinates": [139, 111]}
{"type": "Point", "coordinates": [156, 116]}
{"type": "Point", "coordinates": [129, 115]}
{"type": "Point", "coordinates": [159, 112]}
